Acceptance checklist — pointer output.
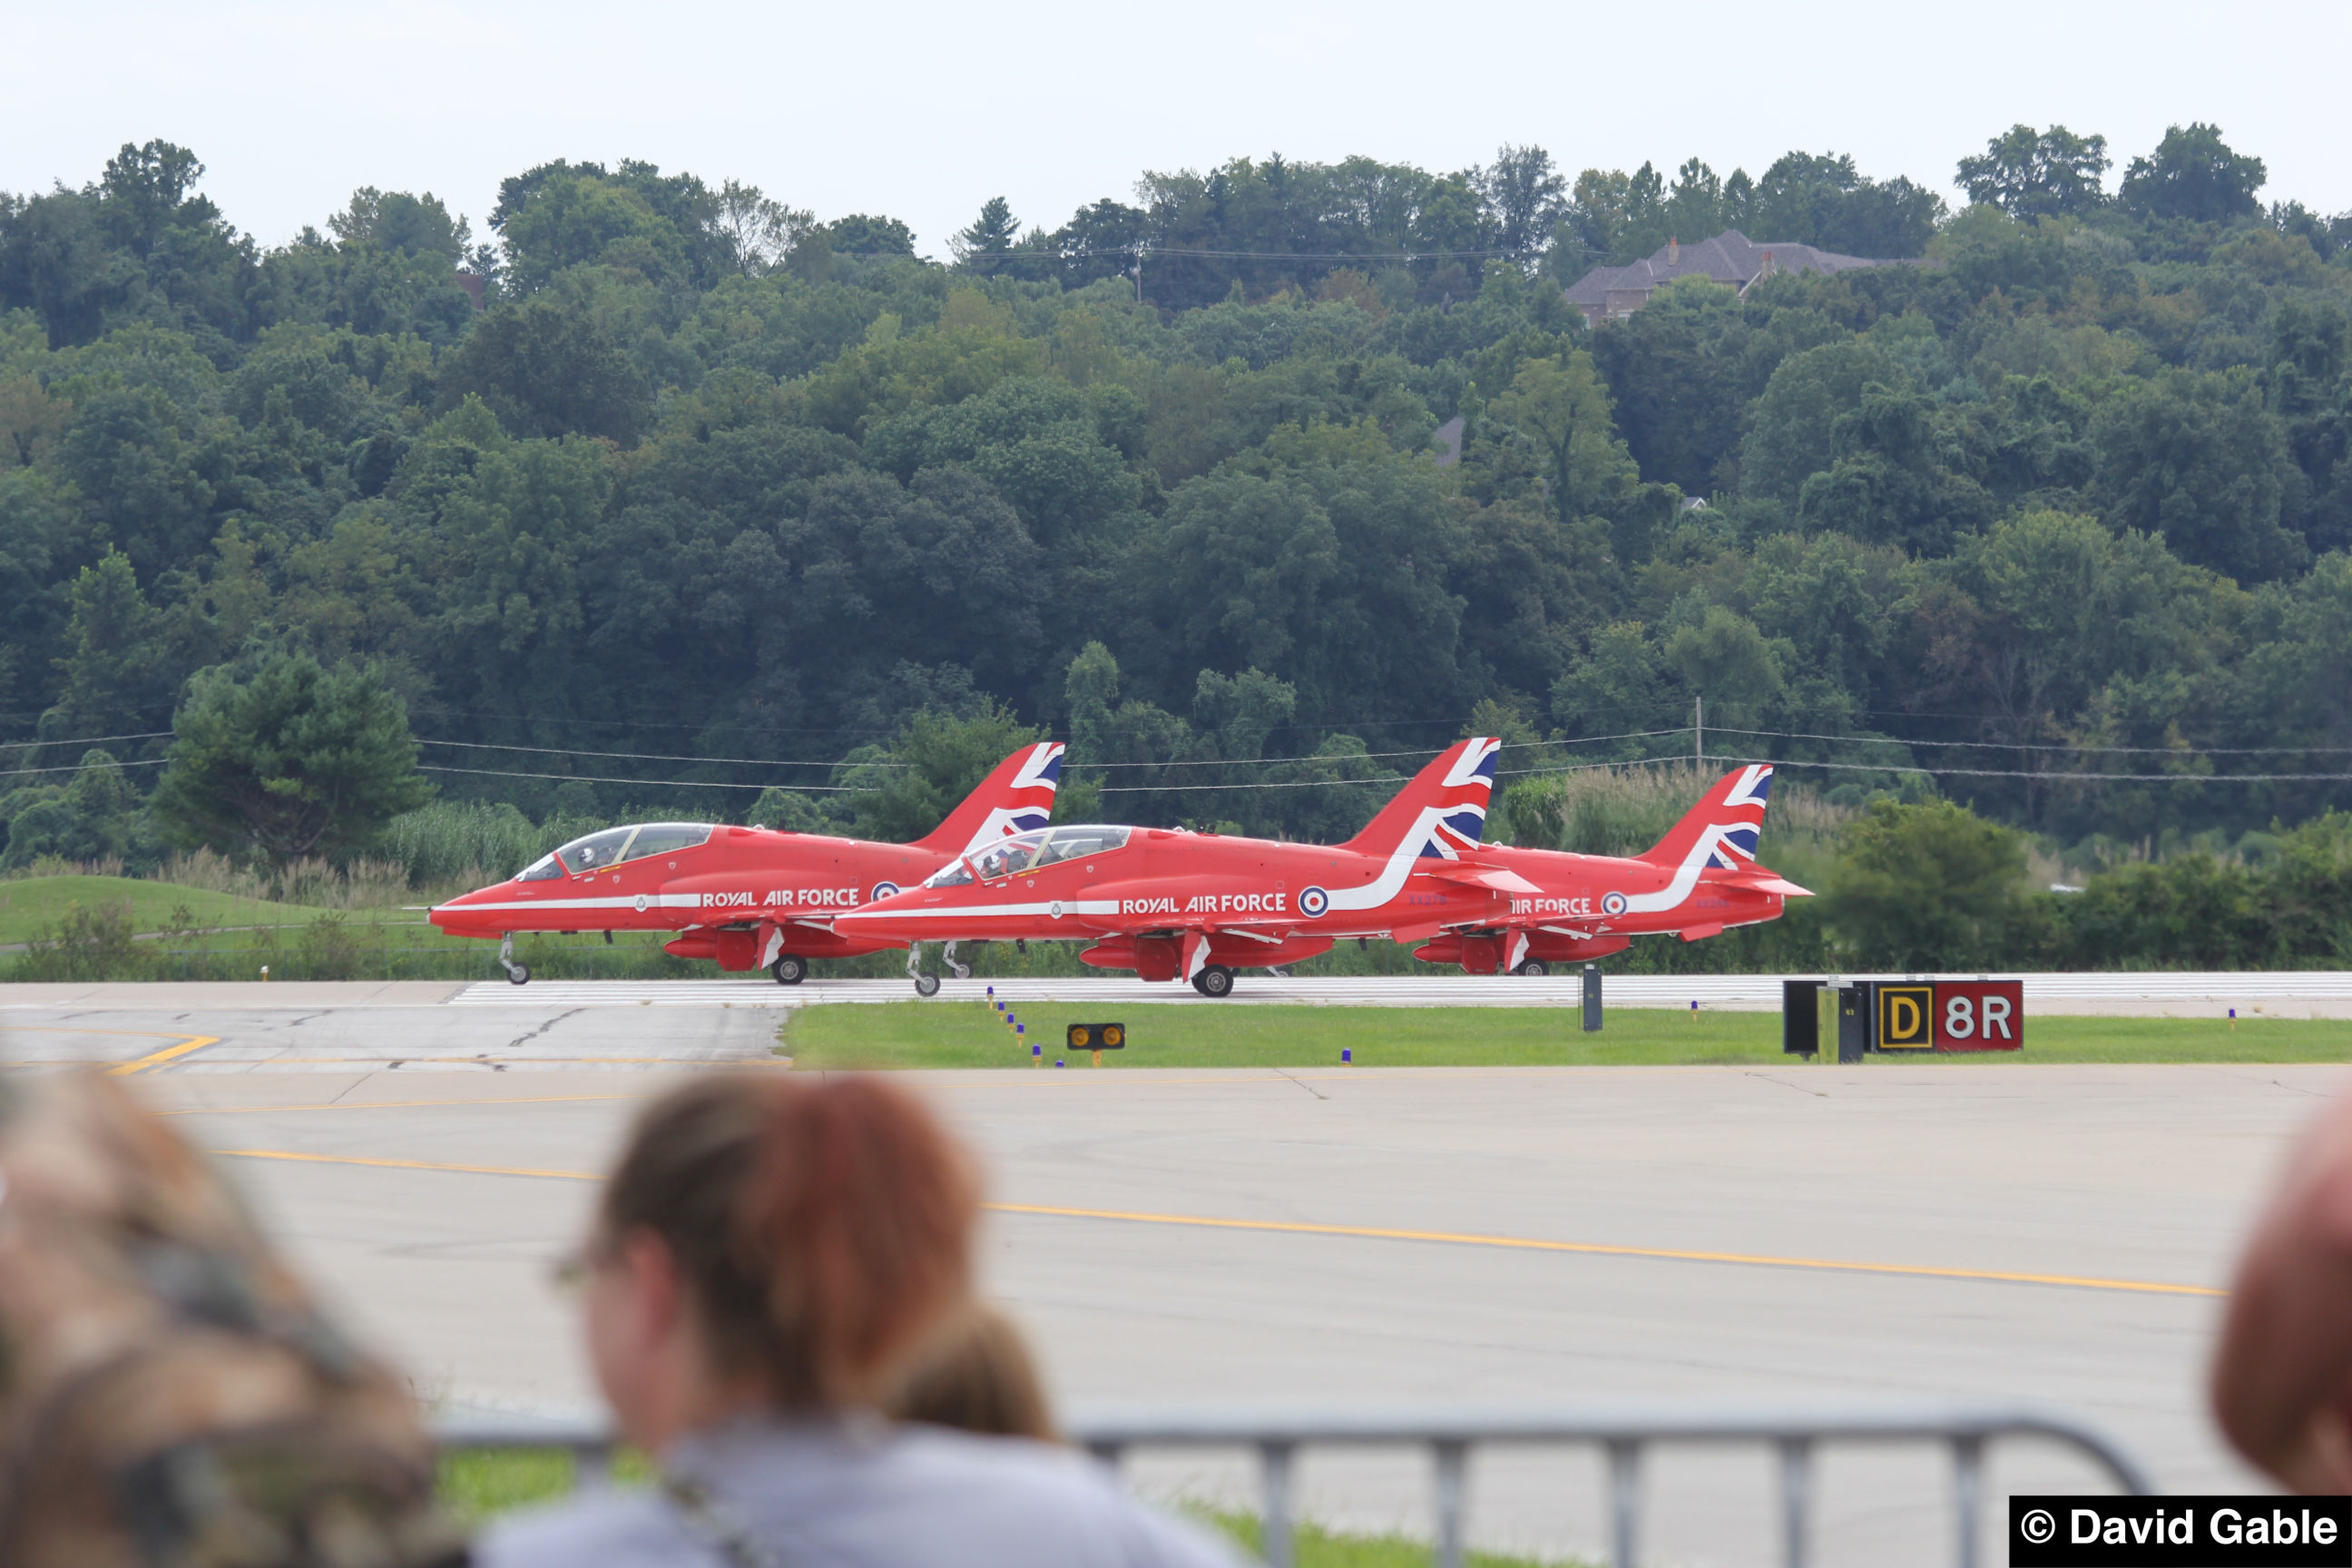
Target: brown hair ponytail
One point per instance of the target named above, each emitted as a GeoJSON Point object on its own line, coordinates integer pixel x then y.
{"type": "Point", "coordinates": [826, 1226]}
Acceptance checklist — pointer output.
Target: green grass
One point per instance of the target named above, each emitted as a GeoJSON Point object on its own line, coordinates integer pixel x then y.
{"type": "Point", "coordinates": [1316, 1547]}
{"type": "Point", "coordinates": [29, 905]}
{"type": "Point", "coordinates": [968, 1035]}
{"type": "Point", "coordinates": [477, 1486]}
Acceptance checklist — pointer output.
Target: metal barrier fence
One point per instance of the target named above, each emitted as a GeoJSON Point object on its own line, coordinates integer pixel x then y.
{"type": "Point", "coordinates": [1621, 1435]}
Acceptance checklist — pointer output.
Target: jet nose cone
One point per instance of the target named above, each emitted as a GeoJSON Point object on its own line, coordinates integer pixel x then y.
{"type": "Point", "coordinates": [459, 910]}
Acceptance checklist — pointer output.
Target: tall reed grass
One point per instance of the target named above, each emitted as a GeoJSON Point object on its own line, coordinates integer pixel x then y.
{"type": "Point", "coordinates": [1625, 811]}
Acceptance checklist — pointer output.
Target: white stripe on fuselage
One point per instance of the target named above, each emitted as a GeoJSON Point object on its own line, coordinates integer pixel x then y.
{"type": "Point", "coordinates": [620, 901]}
{"type": "Point", "coordinates": [1685, 876]}
{"type": "Point", "coordinates": [983, 911]}
{"type": "Point", "coordinates": [1393, 877]}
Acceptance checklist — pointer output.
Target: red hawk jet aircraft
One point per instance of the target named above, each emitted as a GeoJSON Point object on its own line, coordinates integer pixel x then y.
{"type": "Point", "coordinates": [1699, 879]}
{"type": "Point", "coordinates": [1166, 902]}
{"type": "Point", "coordinates": [749, 898]}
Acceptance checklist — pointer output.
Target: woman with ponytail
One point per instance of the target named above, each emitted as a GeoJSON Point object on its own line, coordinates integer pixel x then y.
{"type": "Point", "coordinates": [772, 1255]}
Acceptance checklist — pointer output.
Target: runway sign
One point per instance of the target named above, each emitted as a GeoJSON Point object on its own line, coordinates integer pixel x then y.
{"type": "Point", "coordinates": [1907, 1018]}
{"type": "Point", "coordinates": [1980, 1015]}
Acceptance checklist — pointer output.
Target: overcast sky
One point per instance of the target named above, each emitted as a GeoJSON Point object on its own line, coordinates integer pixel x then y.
{"type": "Point", "coordinates": [923, 110]}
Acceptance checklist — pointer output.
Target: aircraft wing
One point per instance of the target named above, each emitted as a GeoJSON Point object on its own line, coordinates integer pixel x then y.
{"type": "Point", "coordinates": [1500, 878]}
{"type": "Point", "coordinates": [1760, 880]}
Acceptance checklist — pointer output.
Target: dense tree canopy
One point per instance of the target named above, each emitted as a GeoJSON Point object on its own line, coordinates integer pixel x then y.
{"type": "Point", "coordinates": [671, 492]}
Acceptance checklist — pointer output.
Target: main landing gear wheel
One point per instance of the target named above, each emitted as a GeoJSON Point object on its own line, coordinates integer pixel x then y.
{"type": "Point", "coordinates": [1216, 980]}
{"type": "Point", "coordinates": [790, 970]}
{"type": "Point", "coordinates": [927, 984]}
{"type": "Point", "coordinates": [1534, 968]}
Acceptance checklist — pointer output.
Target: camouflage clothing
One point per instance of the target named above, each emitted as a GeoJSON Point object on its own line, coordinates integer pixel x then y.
{"type": "Point", "coordinates": [169, 1395]}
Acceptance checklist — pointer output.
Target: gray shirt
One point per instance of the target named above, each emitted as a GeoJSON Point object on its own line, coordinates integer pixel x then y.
{"type": "Point", "coordinates": [851, 1493]}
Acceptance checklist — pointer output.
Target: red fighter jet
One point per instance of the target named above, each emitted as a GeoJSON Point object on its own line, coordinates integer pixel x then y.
{"type": "Point", "coordinates": [1700, 880]}
{"type": "Point", "coordinates": [749, 898]}
{"type": "Point", "coordinates": [1166, 902]}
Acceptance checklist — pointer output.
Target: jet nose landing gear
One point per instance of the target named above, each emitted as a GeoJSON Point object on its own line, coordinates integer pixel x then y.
{"type": "Point", "coordinates": [925, 984]}
{"type": "Point", "coordinates": [948, 957]}
{"type": "Point", "coordinates": [517, 973]}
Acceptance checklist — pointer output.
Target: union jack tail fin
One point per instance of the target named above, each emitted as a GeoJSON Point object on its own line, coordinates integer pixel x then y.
{"type": "Point", "coordinates": [1726, 820]}
{"type": "Point", "coordinates": [1443, 808]}
{"type": "Point", "coordinates": [1016, 797]}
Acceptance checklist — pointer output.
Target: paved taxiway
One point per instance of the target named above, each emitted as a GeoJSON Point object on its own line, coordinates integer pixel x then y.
{"type": "Point", "coordinates": [429, 1193]}
{"type": "Point", "coordinates": [431, 1204]}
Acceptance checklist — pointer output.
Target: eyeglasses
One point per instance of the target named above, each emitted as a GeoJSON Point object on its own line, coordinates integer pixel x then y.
{"type": "Point", "coordinates": [570, 1273]}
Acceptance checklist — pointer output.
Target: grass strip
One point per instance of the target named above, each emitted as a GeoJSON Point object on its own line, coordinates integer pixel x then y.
{"type": "Point", "coordinates": [972, 1035]}
{"type": "Point", "coordinates": [477, 1486]}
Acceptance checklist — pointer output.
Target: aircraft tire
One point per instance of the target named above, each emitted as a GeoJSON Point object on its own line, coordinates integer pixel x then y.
{"type": "Point", "coordinates": [1215, 980]}
{"type": "Point", "coordinates": [518, 976]}
{"type": "Point", "coordinates": [790, 969]}
{"type": "Point", "coordinates": [1534, 968]}
{"type": "Point", "coordinates": [927, 984]}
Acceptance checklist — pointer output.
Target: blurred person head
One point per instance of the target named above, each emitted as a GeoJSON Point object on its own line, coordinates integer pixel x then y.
{"type": "Point", "coordinates": [2280, 1381]}
{"type": "Point", "coordinates": [169, 1390]}
{"type": "Point", "coordinates": [976, 1374]}
{"type": "Point", "coordinates": [772, 1243]}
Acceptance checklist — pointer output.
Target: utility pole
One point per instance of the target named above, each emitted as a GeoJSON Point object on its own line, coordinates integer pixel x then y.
{"type": "Point", "coordinates": [1699, 732]}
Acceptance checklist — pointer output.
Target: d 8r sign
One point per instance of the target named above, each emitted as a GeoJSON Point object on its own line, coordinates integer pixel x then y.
{"type": "Point", "coordinates": [1951, 1015]}
{"type": "Point", "coordinates": [1980, 1015]}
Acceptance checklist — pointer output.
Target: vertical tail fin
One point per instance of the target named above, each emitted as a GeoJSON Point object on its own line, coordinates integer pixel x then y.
{"type": "Point", "coordinates": [1726, 821]}
{"type": "Point", "coordinates": [1016, 797]}
{"type": "Point", "coordinates": [1444, 804]}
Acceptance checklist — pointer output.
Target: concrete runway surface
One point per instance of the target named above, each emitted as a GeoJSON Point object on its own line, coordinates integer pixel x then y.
{"type": "Point", "coordinates": [430, 1205]}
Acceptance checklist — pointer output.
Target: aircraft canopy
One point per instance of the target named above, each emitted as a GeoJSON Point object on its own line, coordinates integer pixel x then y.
{"type": "Point", "coordinates": [1028, 851]}
{"type": "Point", "coordinates": [614, 844]}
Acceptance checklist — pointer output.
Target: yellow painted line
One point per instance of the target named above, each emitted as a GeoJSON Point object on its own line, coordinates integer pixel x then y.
{"type": "Point", "coordinates": [1374, 1233]}
{"type": "Point", "coordinates": [392, 1104]}
{"type": "Point", "coordinates": [188, 1043]}
{"type": "Point", "coordinates": [1528, 1244]}
{"type": "Point", "coordinates": [406, 1165]}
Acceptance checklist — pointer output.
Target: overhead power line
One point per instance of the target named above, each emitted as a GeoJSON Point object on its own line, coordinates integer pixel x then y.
{"type": "Point", "coordinates": [2036, 746]}
{"type": "Point", "coordinates": [1963, 772]}
{"type": "Point", "coordinates": [649, 783]}
{"type": "Point", "coordinates": [76, 767]}
{"type": "Point", "coordinates": [89, 740]}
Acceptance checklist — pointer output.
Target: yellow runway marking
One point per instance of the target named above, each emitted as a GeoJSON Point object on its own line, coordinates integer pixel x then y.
{"type": "Point", "coordinates": [406, 1165]}
{"type": "Point", "coordinates": [390, 1104]}
{"type": "Point", "coordinates": [1374, 1233]}
{"type": "Point", "coordinates": [188, 1044]}
{"type": "Point", "coordinates": [1528, 1244]}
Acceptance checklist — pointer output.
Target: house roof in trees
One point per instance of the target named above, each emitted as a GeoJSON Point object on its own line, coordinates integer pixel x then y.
{"type": "Point", "coordinates": [1730, 257]}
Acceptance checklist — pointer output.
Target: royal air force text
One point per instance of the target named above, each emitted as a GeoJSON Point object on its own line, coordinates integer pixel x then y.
{"type": "Point", "coordinates": [1210, 904]}
{"type": "Point", "coordinates": [785, 898]}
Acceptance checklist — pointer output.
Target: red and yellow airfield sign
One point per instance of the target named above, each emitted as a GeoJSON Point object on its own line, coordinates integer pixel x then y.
{"type": "Point", "coordinates": [1951, 1015]}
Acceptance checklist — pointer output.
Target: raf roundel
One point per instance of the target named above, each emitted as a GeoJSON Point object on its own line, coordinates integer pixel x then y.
{"type": "Point", "coordinates": [1613, 903]}
{"type": "Point", "coordinates": [883, 890]}
{"type": "Point", "coordinates": [1313, 901]}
